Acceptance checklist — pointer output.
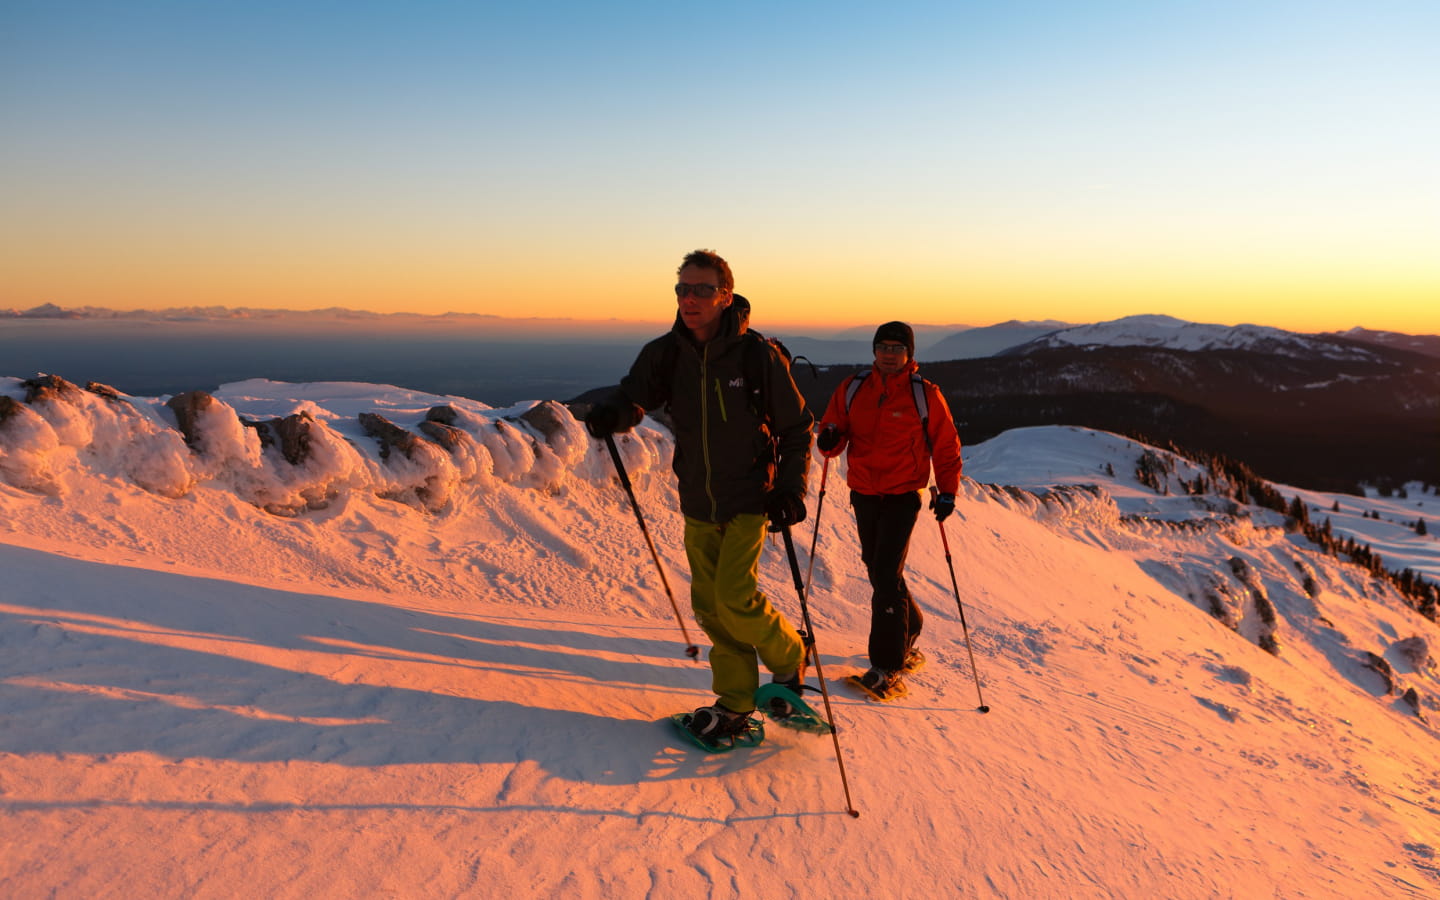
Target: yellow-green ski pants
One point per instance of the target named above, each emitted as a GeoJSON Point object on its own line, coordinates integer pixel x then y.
{"type": "Point", "coordinates": [741, 623]}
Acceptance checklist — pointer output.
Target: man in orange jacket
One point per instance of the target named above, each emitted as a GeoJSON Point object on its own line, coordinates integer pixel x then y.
{"type": "Point", "coordinates": [895, 425]}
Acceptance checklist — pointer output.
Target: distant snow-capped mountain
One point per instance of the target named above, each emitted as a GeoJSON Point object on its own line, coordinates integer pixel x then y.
{"type": "Point", "coordinates": [1170, 333]}
{"type": "Point", "coordinates": [1428, 344]}
{"type": "Point", "coordinates": [991, 339]}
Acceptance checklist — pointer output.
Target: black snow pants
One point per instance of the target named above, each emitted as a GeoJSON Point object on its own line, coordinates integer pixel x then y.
{"type": "Point", "coordinates": [885, 522]}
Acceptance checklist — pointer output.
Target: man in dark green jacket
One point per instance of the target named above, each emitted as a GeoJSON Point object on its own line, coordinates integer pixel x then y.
{"type": "Point", "coordinates": [730, 478]}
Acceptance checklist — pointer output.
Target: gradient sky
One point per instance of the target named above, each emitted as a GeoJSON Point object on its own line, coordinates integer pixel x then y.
{"type": "Point", "coordinates": [1267, 162]}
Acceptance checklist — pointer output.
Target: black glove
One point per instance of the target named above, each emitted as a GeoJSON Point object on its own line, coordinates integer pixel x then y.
{"type": "Point", "coordinates": [784, 509]}
{"type": "Point", "coordinates": [943, 504]}
{"type": "Point", "coordinates": [828, 440]}
{"type": "Point", "coordinates": [602, 420]}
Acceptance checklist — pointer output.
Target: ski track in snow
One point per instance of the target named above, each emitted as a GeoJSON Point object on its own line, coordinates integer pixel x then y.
{"type": "Point", "coordinates": [371, 698]}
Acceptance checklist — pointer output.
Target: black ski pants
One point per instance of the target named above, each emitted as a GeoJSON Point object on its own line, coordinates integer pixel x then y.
{"type": "Point", "coordinates": [885, 522]}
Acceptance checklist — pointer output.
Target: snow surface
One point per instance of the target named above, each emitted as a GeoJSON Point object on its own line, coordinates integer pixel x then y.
{"type": "Point", "coordinates": [447, 676]}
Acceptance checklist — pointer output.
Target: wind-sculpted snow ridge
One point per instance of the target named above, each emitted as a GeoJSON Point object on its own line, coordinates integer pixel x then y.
{"type": "Point", "coordinates": [288, 448]}
{"type": "Point", "coordinates": [1070, 502]}
{"type": "Point", "coordinates": [59, 427]}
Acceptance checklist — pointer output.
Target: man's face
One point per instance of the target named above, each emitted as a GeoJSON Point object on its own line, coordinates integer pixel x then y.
{"type": "Point", "coordinates": [700, 314]}
{"type": "Point", "coordinates": [890, 357]}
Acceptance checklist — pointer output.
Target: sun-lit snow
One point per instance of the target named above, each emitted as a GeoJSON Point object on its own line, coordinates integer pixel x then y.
{"type": "Point", "coordinates": [446, 675]}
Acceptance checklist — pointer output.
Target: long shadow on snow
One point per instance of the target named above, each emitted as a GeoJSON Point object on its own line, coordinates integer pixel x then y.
{"type": "Point", "coordinates": [149, 603]}
{"type": "Point", "coordinates": [95, 668]}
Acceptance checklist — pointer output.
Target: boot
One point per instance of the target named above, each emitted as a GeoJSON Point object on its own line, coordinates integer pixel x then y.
{"type": "Point", "coordinates": [714, 722]}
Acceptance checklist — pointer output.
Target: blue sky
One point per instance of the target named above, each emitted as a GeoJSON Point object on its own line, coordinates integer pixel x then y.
{"type": "Point", "coordinates": [972, 162]}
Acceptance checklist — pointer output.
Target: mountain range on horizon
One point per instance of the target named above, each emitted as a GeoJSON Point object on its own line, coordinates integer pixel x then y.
{"type": "Point", "coordinates": [933, 342]}
{"type": "Point", "coordinates": [936, 344]}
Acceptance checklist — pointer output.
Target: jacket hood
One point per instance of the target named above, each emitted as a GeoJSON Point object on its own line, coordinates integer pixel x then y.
{"type": "Point", "coordinates": [734, 321]}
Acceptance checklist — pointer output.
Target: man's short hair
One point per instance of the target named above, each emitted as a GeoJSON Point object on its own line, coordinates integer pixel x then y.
{"type": "Point", "coordinates": [709, 259]}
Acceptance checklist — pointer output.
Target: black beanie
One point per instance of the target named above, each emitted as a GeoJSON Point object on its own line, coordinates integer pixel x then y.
{"type": "Point", "coordinates": [896, 332]}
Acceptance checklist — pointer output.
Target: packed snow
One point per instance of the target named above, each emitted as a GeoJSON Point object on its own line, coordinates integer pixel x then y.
{"type": "Point", "coordinates": [445, 672]}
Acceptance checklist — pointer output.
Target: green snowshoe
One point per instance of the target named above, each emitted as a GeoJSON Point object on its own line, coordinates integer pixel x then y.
{"type": "Point", "coordinates": [784, 707]}
{"type": "Point", "coordinates": [751, 736]}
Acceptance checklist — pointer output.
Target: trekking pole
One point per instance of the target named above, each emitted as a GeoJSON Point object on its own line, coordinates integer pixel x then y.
{"type": "Point", "coordinates": [691, 650]}
{"type": "Point", "coordinates": [956, 587]}
{"type": "Point", "coordinates": [815, 538]}
{"type": "Point", "coordinates": [819, 672]}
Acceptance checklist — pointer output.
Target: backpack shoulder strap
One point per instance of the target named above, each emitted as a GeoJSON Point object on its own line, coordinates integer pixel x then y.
{"type": "Point", "coordinates": [755, 367]}
{"type": "Point", "coordinates": [665, 371]}
{"type": "Point", "coordinates": [922, 406]}
{"type": "Point", "coordinates": [854, 387]}
{"type": "Point", "coordinates": [917, 390]}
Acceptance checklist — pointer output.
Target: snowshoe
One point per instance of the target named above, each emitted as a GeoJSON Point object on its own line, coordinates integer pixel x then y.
{"type": "Point", "coordinates": [879, 685]}
{"type": "Point", "coordinates": [795, 684]}
{"type": "Point", "coordinates": [784, 707]}
{"type": "Point", "coordinates": [716, 729]}
{"type": "Point", "coordinates": [914, 662]}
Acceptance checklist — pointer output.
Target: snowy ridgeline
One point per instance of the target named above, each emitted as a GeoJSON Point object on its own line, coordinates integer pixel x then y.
{"type": "Point", "coordinates": [286, 447]}
{"type": "Point", "coordinates": [291, 447]}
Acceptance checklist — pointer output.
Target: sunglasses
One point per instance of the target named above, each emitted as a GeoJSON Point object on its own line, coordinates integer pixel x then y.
{"type": "Point", "coordinates": [890, 348]}
{"type": "Point", "coordinates": [700, 291]}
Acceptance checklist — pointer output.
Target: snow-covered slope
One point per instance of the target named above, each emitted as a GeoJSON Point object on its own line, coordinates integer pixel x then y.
{"type": "Point", "coordinates": [1177, 334]}
{"type": "Point", "coordinates": [445, 676]}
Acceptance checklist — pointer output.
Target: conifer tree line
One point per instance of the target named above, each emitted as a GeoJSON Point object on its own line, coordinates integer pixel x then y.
{"type": "Point", "coordinates": [1235, 480]}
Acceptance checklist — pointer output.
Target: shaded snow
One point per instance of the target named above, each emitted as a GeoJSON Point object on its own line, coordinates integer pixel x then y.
{"type": "Point", "coordinates": [375, 696]}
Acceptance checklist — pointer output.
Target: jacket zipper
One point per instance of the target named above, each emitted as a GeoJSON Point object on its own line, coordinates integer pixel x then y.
{"type": "Point", "coordinates": [880, 406]}
{"type": "Point", "coordinates": [705, 430]}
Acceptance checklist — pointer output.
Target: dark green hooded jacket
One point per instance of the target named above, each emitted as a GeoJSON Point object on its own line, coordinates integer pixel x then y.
{"type": "Point", "coordinates": [722, 449]}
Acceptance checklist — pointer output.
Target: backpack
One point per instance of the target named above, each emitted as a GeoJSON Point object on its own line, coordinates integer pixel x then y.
{"type": "Point", "coordinates": [917, 391]}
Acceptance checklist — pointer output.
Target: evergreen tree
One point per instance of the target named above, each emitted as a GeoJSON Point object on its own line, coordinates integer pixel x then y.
{"type": "Point", "coordinates": [1299, 511]}
{"type": "Point", "coordinates": [1420, 527]}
